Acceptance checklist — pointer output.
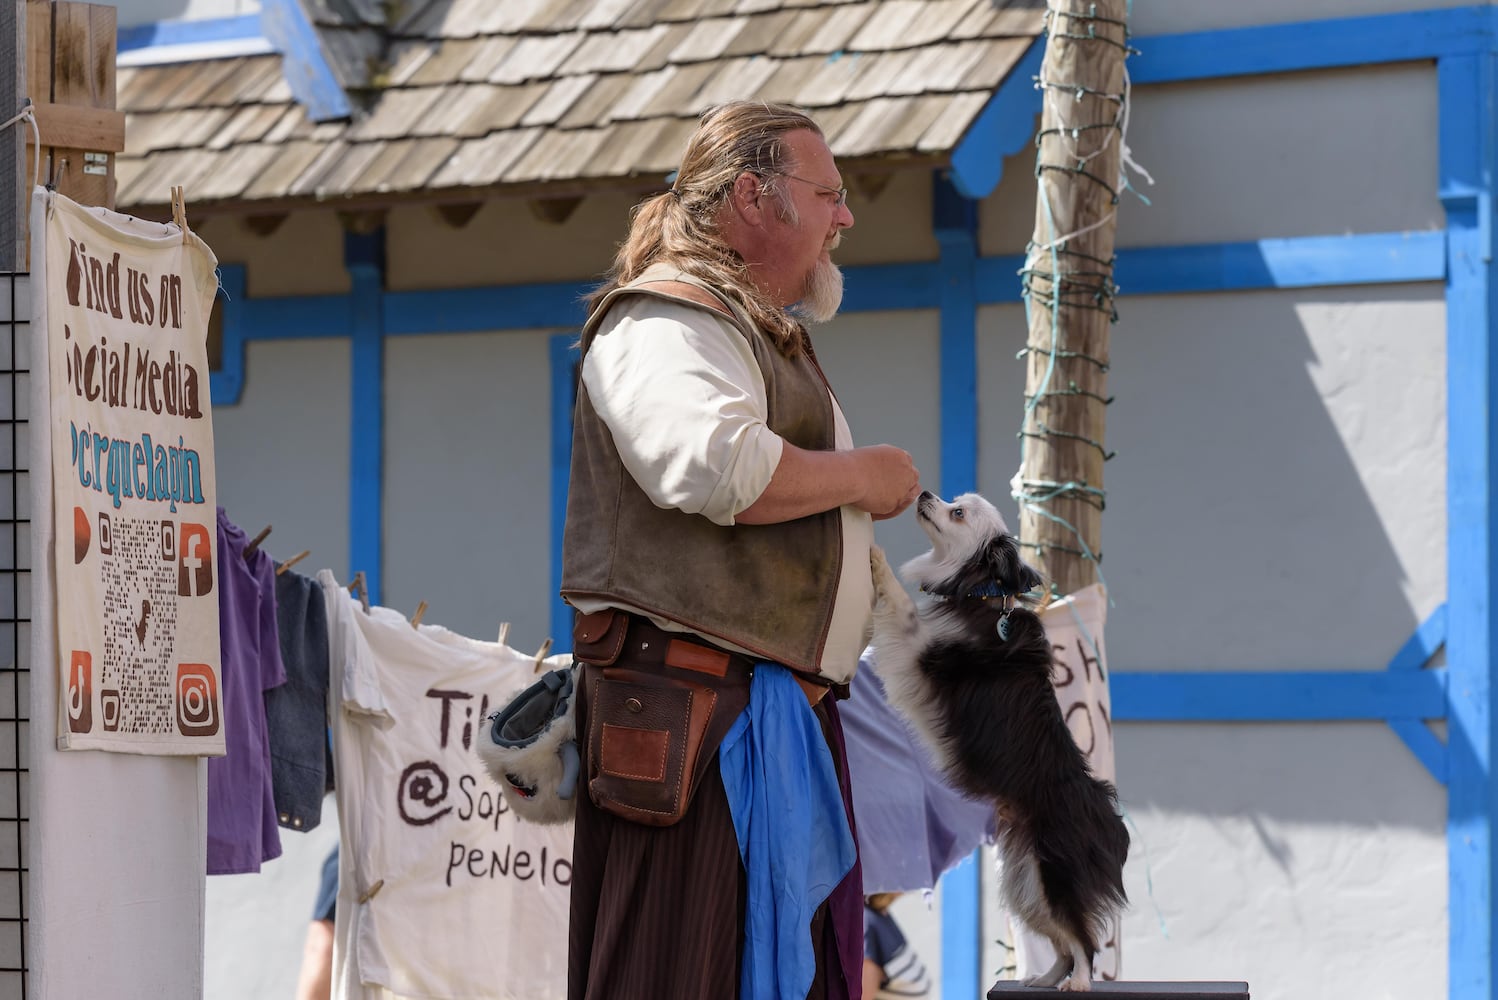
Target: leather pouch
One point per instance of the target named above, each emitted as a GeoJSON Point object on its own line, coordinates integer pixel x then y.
{"type": "Point", "coordinates": [647, 736]}
{"type": "Point", "coordinates": [598, 637]}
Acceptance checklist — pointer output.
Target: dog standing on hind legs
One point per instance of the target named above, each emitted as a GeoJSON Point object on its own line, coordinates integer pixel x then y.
{"type": "Point", "coordinates": [971, 671]}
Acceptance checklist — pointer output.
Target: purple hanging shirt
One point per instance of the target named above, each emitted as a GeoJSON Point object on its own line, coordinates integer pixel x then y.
{"type": "Point", "coordinates": [242, 830]}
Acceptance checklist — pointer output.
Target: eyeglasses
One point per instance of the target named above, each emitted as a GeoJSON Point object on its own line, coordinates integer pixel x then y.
{"type": "Point", "coordinates": [842, 192]}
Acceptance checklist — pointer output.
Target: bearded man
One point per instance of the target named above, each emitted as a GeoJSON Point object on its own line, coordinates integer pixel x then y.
{"type": "Point", "coordinates": [719, 523]}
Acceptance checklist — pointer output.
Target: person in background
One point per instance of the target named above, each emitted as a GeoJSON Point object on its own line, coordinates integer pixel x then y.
{"type": "Point", "coordinates": [719, 508]}
{"type": "Point", "coordinates": [316, 979]}
{"type": "Point", "coordinates": [891, 968]}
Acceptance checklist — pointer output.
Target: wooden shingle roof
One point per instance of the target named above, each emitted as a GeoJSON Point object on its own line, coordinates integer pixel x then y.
{"type": "Point", "coordinates": [465, 98]}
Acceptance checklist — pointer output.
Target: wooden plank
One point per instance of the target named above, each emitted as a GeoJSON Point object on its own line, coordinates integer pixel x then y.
{"type": "Point", "coordinates": [708, 39]}
{"type": "Point", "coordinates": [558, 100]}
{"type": "Point", "coordinates": [836, 31]}
{"type": "Point", "coordinates": [84, 57]}
{"type": "Point", "coordinates": [595, 106]}
{"type": "Point", "coordinates": [739, 79]}
{"type": "Point", "coordinates": [502, 110]}
{"type": "Point", "coordinates": [879, 75]}
{"type": "Point", "coordinates": [77, 127]}
{"type": "Point", "coordinates": [760, 34]}
{"type": "Point", "coordinates": [70, 52]}
{"type": "Point", "coordinates": [416, 169]}
{"type": "Point", "coordinates": [491, 52]}
{"type": "Point", "coordinates": [249, 78]}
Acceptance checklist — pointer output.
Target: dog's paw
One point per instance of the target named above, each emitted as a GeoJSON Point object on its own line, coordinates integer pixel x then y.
{"type": "Point", "coordinates": [884, 577]}
{"type": "Point", "coordinates": [1073, 984]}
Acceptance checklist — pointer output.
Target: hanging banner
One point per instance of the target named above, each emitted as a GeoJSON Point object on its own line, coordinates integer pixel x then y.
{"type": "Point", "coordinates": [1075, 626]}
{"type": "Point", "coordinates": [120, 331]}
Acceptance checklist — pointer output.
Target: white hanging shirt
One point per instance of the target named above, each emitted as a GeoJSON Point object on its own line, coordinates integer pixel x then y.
{"type": "Point", "coordinates": [460, 900]}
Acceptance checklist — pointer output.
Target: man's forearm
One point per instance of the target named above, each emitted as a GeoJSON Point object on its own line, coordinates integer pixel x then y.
{"type": "Point", "coordinates": [879, 479]}
{"type": "Point", "coordinates": [805, 483]}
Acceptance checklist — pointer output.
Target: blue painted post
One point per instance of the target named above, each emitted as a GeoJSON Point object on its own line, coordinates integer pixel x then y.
{"type": "Point", "coordinates": [955, 222]}
{"type": "Point", "coordinates": [1467, 134]}
{"type": "Point", "coordinates": [364, 256]}
{"type": "Point", "coordinates": [224, 384]}
{"type": "Point", "coordinates": [564, 357]}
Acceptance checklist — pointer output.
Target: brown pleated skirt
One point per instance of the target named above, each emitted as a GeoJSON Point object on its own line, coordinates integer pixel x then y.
{"type": "Point", "coordinates": [658, 912]}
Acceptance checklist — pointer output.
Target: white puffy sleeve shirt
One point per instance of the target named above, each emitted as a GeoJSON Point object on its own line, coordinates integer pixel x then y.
{"type": "Point", "coordinates": [684, 399]}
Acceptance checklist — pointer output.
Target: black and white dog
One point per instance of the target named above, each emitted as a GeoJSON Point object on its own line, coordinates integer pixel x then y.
{"type": "Point", "coordinates": [972, 672]}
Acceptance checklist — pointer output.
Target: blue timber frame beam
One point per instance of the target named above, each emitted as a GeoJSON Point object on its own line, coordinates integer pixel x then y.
{"type": "Point", "coordinates": [1468, 88]}
{"type": "Point", "coordinates": [364, 257]}
{"type": "Point", "coordinates": [955, 226]}
{"type": "Point", "coordinates": [564, 354]}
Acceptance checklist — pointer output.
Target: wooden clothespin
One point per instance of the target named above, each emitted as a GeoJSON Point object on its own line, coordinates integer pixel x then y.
{"type": "Point", "coordinates": [361, 591]}
{"type": "Point", "coordinates": [293, 561]}
{"type": "Point", "coordinates": [421, 609]}
{"type": "Point", "coordinates": [179, 210]}
{"type": "Point", "coordinates": [254, 543]}
{"type": "Point", "coordinates": [541, 654]}
{"type": "Point", "coordinates": [504, 632]}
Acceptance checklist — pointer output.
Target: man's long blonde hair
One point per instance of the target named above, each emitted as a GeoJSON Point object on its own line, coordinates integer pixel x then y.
{"type": "Point", "coordinates": [679, 226]}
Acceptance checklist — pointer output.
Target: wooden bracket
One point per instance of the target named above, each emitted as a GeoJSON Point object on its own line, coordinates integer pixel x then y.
{"type": "Point", "coordinates": [458, 214]}
{"type": "Point", "coordinates": [70, 126]}
{"type": "Point", "coordinates": [553, 210]}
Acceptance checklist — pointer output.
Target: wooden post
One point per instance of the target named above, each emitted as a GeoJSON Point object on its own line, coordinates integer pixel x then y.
{"type": "Point", "coordinates": [1069, 285]}
{"type": "Point", "coordinates": [70, 53]}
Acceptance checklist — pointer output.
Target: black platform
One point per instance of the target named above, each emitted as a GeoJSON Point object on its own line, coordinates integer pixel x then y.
{"type": "Point", "coordinates": [1009, 989]}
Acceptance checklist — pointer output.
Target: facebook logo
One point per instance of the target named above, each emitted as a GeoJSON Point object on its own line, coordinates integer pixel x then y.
{"type": "Point", "coordinates": [195, 561]}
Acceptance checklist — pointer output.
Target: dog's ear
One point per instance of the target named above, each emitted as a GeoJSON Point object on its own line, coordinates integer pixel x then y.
{"type": "Point", "coordinates": [1030, 579]}
{"type": "Point", "coordinates": [1008, 569]}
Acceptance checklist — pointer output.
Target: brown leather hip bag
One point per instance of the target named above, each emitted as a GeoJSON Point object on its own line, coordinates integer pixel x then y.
{"type": "Point", "coordinates": [657, 706]}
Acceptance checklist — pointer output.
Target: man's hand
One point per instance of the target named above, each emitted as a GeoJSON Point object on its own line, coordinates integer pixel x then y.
{"type": "Point", "coordinates": [891, 480]}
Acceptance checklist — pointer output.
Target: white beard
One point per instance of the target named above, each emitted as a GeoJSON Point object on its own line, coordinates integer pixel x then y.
{"type": "Point", "coordinates": [824, 293]}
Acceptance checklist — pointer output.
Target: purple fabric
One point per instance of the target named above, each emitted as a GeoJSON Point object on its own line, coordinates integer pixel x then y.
{"type": "Point", "coordinates": [242, 829]}
{"type": "Point", "coordinates": [913, 826]}
{"type": "Point", "coordinates": [845, 905]}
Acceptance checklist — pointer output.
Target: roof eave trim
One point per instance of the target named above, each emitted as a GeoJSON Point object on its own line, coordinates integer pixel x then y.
{"type": "Point", "coordinates": [1001, 129]}
{"type": "Point", "coordinates": [304, 64]}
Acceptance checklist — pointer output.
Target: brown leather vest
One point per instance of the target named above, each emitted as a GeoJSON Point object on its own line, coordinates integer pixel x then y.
{"type": "Point", "coordinates": [766, 587]}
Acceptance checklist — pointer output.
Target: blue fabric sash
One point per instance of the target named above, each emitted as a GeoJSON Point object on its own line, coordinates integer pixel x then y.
{"type": "Point", "coordinates": [792, 830]}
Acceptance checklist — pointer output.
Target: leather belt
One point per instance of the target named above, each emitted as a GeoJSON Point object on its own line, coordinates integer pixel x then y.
{"type": "Point", "coordinates": [647, 643]}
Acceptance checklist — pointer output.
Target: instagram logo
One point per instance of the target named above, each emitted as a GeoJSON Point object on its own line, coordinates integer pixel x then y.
{"type": "Point", "coordinates": [109, 709]}
{"type": "Point", "coordinates": [81, 692]}
{"type": "Point", "coordinates": [195, 561]}
{"type": "Point", "coordinates": [168, 541]}
{"type": "Point", "coordinates": [197, 700]}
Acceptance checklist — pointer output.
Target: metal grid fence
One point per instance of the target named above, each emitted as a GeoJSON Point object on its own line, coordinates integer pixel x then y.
{"type": "Point", "coordinates": [15, 626]}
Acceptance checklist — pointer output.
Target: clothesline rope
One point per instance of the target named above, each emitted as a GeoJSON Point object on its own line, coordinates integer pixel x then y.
{"type": "Point", "coordinates": [28, 114]}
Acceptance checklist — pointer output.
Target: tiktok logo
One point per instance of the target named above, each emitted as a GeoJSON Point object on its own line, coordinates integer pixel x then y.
{"type": "Point", "coordinates": [80, 692]}
{"type": "Point", "coordinates": [195, 565]}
